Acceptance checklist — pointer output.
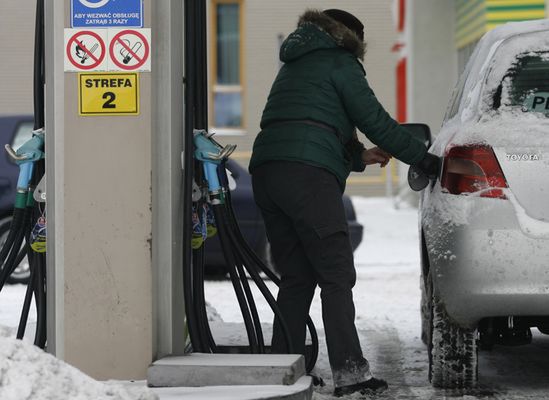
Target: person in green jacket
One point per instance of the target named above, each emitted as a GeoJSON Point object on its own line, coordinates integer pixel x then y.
{"type": "Point", "coordinates": [301, 159]}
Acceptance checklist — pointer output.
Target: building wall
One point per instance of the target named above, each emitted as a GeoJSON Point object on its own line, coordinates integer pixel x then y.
{"type": "Point", "coordinates": [16, 47]}
{"type": "Point", "coordinates": [441, 36]}
{"type": "Point", "coordinates": [433, 60]}
{"type": "Point", "coordinates": [476, 17]}
{"type": "Point", "coordinates": [264, 23]}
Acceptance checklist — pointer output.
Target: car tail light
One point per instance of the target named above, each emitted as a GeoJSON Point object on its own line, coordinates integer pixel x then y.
{"type": "Point", "coordinates": [470, 169]}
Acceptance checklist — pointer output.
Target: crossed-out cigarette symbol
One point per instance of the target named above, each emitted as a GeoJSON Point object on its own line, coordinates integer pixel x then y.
{"type": "Point", "coordinates": [129, 51]}
{"type": "Point", "coordinates": [132, 51]}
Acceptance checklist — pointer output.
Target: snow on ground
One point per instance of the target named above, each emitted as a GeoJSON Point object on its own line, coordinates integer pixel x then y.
{"type": "Point", "coordinates": [11, 303]}
{"type": "Point", "coordinates": [387, 300]}
{"type": "Point", "coordinates": [387, 316]}
{"type": "Point", "coordinates": [386, 296]}
{"type": "Point", "coordinates": [26, 372]}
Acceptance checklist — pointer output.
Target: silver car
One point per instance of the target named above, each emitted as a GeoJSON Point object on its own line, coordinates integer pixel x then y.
{"type": "Point", "coordinates": [484, 223]}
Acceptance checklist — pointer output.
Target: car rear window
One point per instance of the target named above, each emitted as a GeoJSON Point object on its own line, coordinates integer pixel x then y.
{"type": "Point", "coordinates": [526, 85]}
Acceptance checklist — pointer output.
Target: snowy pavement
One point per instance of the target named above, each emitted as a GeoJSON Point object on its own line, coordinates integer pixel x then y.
{"type": "Point", "coordinates": [387, 316]}
{"type": "Point", "coordinates": [387, 300]}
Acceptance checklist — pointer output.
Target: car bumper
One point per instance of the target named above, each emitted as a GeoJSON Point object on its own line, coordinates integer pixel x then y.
{"type": "Point", "coordinates": [488, 267]}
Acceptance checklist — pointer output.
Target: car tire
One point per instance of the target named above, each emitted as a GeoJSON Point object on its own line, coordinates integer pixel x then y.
{"type": "Point", "coordinates": [21, 274]}
{"type": "Point", "coordinates": [425, 309]}
{"type": "Point", "coordinates": [453, 353]}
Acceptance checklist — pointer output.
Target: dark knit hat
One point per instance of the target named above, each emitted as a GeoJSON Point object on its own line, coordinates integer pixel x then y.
{"type": "Point", "coordinates": [347, 19]}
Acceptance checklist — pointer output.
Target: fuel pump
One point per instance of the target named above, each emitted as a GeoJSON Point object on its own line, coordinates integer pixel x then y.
{"type": "Point", "coordinates": [204, 169]}
{"type": "Point", "coordinates": [27, 235]}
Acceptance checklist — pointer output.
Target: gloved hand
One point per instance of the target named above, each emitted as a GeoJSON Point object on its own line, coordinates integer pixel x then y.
{"type": "Point", "coordinates": [430, 166]}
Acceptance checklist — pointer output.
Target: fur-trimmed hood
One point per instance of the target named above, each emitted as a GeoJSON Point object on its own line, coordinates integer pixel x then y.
{"type": "Point", "coordinates": [304, 39]}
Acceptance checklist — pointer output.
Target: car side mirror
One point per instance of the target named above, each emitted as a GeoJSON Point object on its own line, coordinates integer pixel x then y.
{"type": "Point", "coordinates": [420, 131]}
{"type": "Point", "coordinates": [417, 179]}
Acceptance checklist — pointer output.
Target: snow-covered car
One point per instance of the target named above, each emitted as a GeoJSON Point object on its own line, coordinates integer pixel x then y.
{"type": "Point", "coordinates": [484, 225]}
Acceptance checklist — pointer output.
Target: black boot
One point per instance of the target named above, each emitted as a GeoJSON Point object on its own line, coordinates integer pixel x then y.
{"type": "Point", "coordinates": [371, 386]}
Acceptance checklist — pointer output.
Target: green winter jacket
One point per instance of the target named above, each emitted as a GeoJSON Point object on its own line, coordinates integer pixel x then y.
{"type": "Point", "coordinates": [323, 81]}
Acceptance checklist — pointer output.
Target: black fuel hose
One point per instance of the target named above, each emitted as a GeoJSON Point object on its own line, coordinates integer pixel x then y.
{"type": "Point", "coordinates": [251, 305]}
{"type": "Point", "coordinates": [254, 274]}
{"type": "Point", "coordinates": [255, 266]}
{"type": "Point", "coordinates": [260, 266]}
{"type": "Point", "coordinates": [240, 295]}
{"type": "Point", "coordinates": [40, 297]}
{"type": "Point", "coordinates": [19, 227]}
{"type": "Point", "coordinates": [241, 269]}
{"type": "Point", "coordinates": [21, 255]}
{"type": "Point", "coordinates": [240, 260]}
{"type": "Point", "coordinates": [188, 175]}
{"type": "Point", "coordinates": [241, 246]}
{"type": "Point", "coordinates": [26, 306]}
{"type": "Point", "coordinates": [15, 226]}
{"type": "Point", "coordinates": [200, 302]}
{"type": "Point", "coordinates": [10, 263]}
{"type": "Point", "coordinates": [201, 122]}
{"type": "Point", "coordinates": [28, 299]}
{"type": "Point", "coordinates": [38, 260]}
{"type": "Point", "coordinates": [201, 61]}
{"type": "Point", "coordinates": [38, 75]}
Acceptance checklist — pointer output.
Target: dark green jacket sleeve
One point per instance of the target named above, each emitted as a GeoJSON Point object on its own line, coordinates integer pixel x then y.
{"type": "Point", "coordinates": [369, 115]}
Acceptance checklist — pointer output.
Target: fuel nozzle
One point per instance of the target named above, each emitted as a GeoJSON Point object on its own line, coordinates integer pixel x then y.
{"type": "Point", "coordinates": [212, 155]}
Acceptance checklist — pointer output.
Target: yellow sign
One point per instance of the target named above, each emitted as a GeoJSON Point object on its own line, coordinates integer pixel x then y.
{"type": "Point", "coordinates": [108, 94]}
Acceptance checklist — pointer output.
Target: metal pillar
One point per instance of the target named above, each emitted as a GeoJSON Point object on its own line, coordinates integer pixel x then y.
{"type": "Point", "coordinates": [167, 144]}
{"type": "Point", "coordinates": [114, 210]}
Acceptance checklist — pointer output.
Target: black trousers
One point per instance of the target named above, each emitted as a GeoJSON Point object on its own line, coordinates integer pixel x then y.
{"type": "Point", "coordinates": [306, 225]}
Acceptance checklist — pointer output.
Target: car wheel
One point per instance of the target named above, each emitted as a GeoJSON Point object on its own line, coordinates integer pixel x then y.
{"type": "Point", "coordinates": [21, 274]}
{"type": "Point", "coordinates": [453, 362]}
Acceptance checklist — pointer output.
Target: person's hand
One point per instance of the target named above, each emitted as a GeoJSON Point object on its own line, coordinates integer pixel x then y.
{"type": "Point", "coordinates": [376, 156]}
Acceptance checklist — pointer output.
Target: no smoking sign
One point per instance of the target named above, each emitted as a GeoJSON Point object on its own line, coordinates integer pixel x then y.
{"type": "Point", "coordinates": [107, 50]}
{"type": "Point", "coordinates": [129, 49]}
